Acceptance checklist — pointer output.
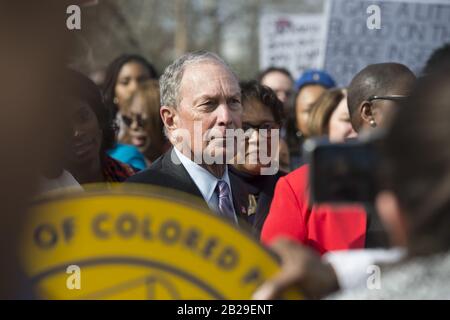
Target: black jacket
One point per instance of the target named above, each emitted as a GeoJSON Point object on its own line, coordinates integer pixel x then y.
{"type": "Point", "coordinates": [164, 173]}
{"type": "Point", "coordinates": [262, 189]}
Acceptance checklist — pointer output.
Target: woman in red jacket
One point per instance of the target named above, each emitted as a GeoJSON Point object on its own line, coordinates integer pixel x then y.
{"type": "Point", "coordinates": [324, 228]}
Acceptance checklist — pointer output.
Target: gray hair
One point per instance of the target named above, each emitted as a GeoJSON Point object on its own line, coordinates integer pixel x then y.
{"type": "Point", "coordinates": [170, 81]}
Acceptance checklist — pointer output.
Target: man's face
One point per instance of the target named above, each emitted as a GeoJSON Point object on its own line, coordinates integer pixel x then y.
{"type": "Point", "coordinates": [383, 110]}
{"type": "Point", "coordinates": [305, 99]}
{"type": "Point", "coordinates": [280, 84]}
{"type": "Point", "coordinates": [209, 102]}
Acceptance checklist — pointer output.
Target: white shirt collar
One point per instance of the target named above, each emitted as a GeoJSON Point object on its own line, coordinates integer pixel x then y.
{"type": "Point", "coordinates": [206, 182]}
{"type": "Point", "coordinates": [65, 180]}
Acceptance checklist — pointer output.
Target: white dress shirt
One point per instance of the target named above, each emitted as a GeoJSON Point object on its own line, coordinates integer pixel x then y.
{"type": "Point", "coordinates": [65, 180]}
{"type": "Point", "coordinates": [205, 181]}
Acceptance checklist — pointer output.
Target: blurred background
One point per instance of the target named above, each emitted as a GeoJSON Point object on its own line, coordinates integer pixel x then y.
{"type": "Point", "coordinates": [163, 30]}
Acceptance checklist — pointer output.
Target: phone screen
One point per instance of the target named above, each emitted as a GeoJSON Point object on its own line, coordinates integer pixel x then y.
{"type": "Point", "coordinates": [343, 173]}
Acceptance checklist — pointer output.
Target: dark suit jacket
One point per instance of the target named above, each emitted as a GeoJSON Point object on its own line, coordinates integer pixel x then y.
{"type": "Point", "coordinates": [266, 187]}
{"type": "Point", "coordinates": [164, 173]}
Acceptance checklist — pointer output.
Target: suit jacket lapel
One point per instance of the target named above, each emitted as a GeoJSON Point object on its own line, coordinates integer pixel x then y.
{"type": "Point", "coordinates": [240, 196]}
{"type": "Point", "coordinates": [183, 181]}
{"type": "Point", "coordinates": [262, 208]}
{"type": "Point", "coordinates": [265, 200]}
{"type": "Point", "coordinates": [179, 173]}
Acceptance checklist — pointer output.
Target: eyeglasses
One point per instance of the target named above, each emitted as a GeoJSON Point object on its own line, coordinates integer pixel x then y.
{"type": "Point", "coordinates": [129, 121]}
{"type": "Point", "coordinates": [267, 127]}
{"type": "Point", "coordinates": [392, 98]}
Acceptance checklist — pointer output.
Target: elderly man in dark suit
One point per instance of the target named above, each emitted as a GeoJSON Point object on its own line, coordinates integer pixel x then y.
{"type": "Point", "coordinates": [200, 107]}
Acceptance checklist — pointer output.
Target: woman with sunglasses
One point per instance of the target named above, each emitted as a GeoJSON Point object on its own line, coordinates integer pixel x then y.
{"type": "Point", "coordinates": [142, 127]}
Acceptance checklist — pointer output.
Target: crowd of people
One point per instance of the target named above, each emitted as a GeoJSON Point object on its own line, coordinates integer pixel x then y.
{"type": "Point", "coordinates": [61, 129]}
{"type": "Point", "coordinates": [137, 126]}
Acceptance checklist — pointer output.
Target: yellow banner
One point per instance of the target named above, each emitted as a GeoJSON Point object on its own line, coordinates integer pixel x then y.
{"type": "Point", "coordinates": [130, 242]}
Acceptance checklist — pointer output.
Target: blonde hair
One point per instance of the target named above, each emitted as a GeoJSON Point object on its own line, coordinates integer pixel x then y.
{"type": "Point", "coordinates": [322, 110]}
{"type": "Point", "coordinates": [150, 98]}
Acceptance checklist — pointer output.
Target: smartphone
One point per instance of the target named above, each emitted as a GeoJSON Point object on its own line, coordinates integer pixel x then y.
{"type": "Point", "coordinates": [342, 173]}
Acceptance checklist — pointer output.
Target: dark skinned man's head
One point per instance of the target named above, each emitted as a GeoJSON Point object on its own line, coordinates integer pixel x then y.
{"type": "Point", "coordinates": [375, 92]}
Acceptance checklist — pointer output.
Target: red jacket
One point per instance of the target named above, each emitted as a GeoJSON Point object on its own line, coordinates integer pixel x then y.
{"type": "Point", "coordinates": [324, 228]}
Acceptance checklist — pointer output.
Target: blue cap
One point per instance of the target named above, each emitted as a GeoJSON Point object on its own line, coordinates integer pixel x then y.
{"type": "Point", "coordinates": [313, 76]}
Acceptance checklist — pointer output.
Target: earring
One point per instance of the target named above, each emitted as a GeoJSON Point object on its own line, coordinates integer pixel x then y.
{"type": "Point", "coordinates": [372, 123]}
{"type": "Point", "coordinates": [115, 100]}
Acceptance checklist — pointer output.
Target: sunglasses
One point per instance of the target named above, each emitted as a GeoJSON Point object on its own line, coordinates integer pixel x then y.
{"type": "Point", "coordinates": [129, 121]}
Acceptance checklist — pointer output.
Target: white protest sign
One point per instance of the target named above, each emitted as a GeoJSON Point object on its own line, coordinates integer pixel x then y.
{"type": "Point", "coordinates": [409, 32]}
{"type": "Point", "coordinates": [292, 41]}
